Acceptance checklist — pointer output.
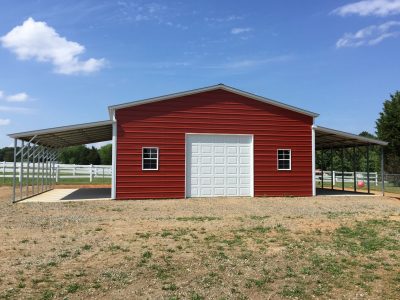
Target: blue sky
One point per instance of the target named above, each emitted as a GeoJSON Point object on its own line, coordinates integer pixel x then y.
{"type": "Point", "coordinates": [64, 62]}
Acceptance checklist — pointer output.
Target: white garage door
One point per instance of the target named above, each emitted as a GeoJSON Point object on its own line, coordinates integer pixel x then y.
{"type": "Point", "coordinates": [219, 165]}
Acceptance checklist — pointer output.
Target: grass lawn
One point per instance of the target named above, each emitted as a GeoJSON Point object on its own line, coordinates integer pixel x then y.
{"type": "Point", "coordinates": [227, 248]}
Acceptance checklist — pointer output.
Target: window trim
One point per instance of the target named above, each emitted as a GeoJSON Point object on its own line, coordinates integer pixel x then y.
{"type": "Point", "coordinates": [285, 159]}
{"type": "Point", "coordinates": [158, 158]}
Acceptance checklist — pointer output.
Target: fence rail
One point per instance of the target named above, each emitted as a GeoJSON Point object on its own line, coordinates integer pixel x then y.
{"type": "Point", "coordinates": [91, 172]}
{"type": "Point", "coordinates": [61, 171]}
{"type": "Point", "coordinates": [338, 177]}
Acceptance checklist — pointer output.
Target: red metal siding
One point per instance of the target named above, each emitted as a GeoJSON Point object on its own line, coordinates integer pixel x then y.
{"type": "Point", "coordinates": [164, 124]}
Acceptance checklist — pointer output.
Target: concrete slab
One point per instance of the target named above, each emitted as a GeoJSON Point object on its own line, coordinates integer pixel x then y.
{"type": "Point", "coordinates": [68, 195]}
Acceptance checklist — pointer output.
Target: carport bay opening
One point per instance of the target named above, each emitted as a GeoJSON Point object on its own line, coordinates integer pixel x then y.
{"type": "Point", "coordinates": [165, 123]}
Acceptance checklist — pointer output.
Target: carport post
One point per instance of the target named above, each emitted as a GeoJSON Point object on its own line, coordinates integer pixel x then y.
{"type": "Point", "coordinates": [33, 171]}
{"type": "Point", "coordinates": [21, 175]}
{"type": "Point", "coordinates": [28, 165]}
{"type": "Point", "coordinates": [15, 169]}
{"type": "Point", "coordinates": [42, 159]}
{"type": "Point", "coordinates": [342, 163]}
{"type": "Point", "coordinates": [354, 169]}
{"type": "Point", "coordinates": [382, 171]}
{"type": "Point", "coordinates": [322, 168]}
{"type": "Point", "coordinates": [332, 173]}
{"type": "Point", "coordinates": [47, 169]}
{"type": "Point", "coordinates": [368, 169]}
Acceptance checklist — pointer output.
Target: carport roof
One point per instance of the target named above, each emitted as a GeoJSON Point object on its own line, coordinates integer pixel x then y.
{"type": "Point", "coordinates": [65, 136]}
{"type": "Point", "coordinates": [326, 138]}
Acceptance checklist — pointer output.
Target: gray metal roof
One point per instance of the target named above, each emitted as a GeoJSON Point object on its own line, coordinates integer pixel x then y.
{"type": "Point", "coordinates": [326, 138]}
{"type": "Point", "coordinates": [65, 136]}
{"type": "Point", "coordinates": [212, 88]}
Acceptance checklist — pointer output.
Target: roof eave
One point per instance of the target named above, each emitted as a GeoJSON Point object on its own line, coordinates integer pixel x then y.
{"type": "Point", "coordinates": [351, 136]}
{"type": "Point", "coordinates": [58, 129]}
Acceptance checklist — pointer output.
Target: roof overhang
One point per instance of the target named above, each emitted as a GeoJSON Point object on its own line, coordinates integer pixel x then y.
{"type": "Point", "coordinates": [65, 136]}
{"type": "Point", "coordinates": [326, 138]}
{"type": "Point", "coordinates": [112, 108]}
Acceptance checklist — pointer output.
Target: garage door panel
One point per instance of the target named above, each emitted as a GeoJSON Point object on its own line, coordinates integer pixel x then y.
{"type": "Point", "coordinates": [244, 170]}
{"type": "Point", "coordinates": [230, 191]}
{"type": "Point", "coordinates": [232, 181]}
{"type": "Point", "coordinates": [219, 149]}
{"type": "Point", "coordinates": [231, 170]}
{"type": "Point", "coordinates": [244, 191]}
{"type": "Point", "coordinates": [206, 160]}
{"type": "Point", "coordinates": [219, 165]}
{"type": "Point", "coordinates": [231, 160]}
{"type": "Point", "coordinates": [219, 181]}
{"type": "Point", "coordinates": [219, 191]}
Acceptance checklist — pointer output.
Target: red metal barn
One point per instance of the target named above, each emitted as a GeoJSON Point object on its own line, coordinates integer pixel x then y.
{"type": "Point", "coordinates": [209, 142]}
{"type": "Point", "coordinates": [216, 141]}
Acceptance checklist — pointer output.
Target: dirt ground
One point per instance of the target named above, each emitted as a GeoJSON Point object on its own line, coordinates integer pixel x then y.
{"type": "Point", "coordinates": [225, 248]}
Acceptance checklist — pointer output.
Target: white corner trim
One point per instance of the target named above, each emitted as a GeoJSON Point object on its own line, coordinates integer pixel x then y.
{"type": "Point", "coordinates": [114, 158]}
{"type": "Point", "coordinates": [314, 188]}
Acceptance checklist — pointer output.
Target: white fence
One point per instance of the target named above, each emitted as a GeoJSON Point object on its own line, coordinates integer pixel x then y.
{"type": "Point", "coordinates": [347, 177]}
{"type": "Point", "coordinates": [61, 171]}
{"type": "Point", "coordinates": [66, 171]}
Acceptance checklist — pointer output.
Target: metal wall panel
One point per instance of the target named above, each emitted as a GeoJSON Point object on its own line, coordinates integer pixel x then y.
{"type": "Point", "coordinates": [164, 125]}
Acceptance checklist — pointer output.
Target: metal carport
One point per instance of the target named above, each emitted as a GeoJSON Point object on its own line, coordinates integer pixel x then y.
{"type": "Point", "coordinates": [326, 139]}
{"type": "Point", "coordinates": [38, 151]}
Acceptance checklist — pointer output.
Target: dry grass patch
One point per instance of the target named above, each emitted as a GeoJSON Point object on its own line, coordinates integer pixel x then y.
{"type": "Point", "coordinates": [276, 248]}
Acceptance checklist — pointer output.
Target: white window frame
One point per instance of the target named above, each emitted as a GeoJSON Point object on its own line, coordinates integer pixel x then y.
{"type": "Point", "coordinates": [285, 159]}
{"type": "Point", "coordinates": [157, 158]}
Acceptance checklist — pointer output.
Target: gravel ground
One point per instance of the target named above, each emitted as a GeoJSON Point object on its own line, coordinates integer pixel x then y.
{"type": "Point", "coordinates": [180, 249]}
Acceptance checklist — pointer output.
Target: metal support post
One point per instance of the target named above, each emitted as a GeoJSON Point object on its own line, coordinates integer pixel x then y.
{"type": "Point", "coordinates": [354, 169]}
{"type": "Point", "coordinates": [383, 171]}
{"type": "Point", "coordinates": [27, 170]}
{"type": "Point", "coordinates": [368, 186]}
{"type": "Point", "coordinates": [332, 173]}
{"type": "Point", "coordinates": [21, 175]}
{"type": "Point", "coordinates": [322, 169]}
{"type": "Point", "coordinates": [342, 163]}
{"type": "Point", "coordinates": [15, 170]}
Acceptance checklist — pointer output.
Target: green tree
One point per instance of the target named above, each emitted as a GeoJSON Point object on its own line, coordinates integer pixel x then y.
{"type": "Point", "coordinates": [7, 154]}
{"type": "Point", "coordinates": [74, 155]}
{"type": "Point", "coordinates": [93, 156]}
{"type": "Point", "coordinates": [105, 153]}
{"type": "Point", "coordinates": [388, 129]}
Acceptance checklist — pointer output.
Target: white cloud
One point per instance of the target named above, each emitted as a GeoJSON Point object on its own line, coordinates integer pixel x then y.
{"type": "Point", "coordinates": [239, 30]}
{"type": "Point", "coordinates": [20, 97]}
{"type": "Point", "coordinates": [4, 122]}
{"type": "Point", "coordinates": [229, 18]}
{"type": "Point", "coordinates": [1, 94]}
{"type": "Point", "coordinates": [251, 63]}
{"type": "Point", "coordinates": [370, 7]}
{"type": "Point", "coordinates": [14, 109]}
{"type": "Point", "coordinates": [369, 36]}
{"type": "Point", "coordinates": [37, 40]}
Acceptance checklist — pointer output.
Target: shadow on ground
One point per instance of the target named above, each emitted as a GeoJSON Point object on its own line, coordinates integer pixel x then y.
{"type": "Point", "coordinates": [89, 193]}
{"type": "Point", "coordinates": [334, 192]}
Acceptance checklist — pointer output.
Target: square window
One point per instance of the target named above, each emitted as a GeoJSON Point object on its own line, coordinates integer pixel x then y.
{"type": "Point", "coordinates": [150, 158]}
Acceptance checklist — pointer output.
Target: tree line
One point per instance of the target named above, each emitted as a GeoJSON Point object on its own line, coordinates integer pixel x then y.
{"type": "Point", "coordinates": [387, 129]}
